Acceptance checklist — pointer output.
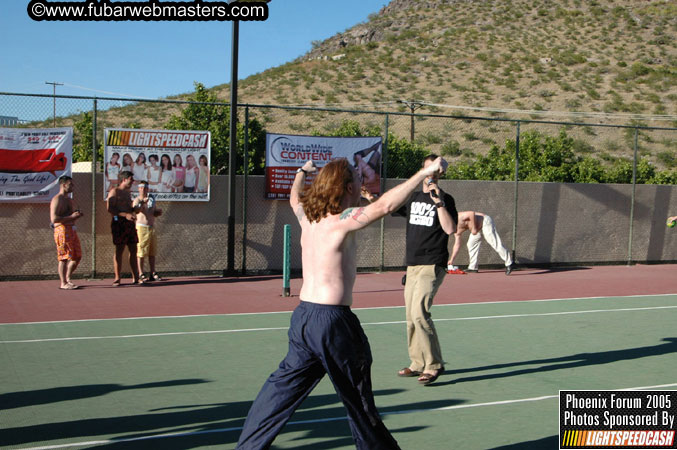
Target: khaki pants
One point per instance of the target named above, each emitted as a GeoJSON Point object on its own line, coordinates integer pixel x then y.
{"type": "Point", "coordinates": [419, 291]}
{"type": "Point", "coordinates": [147, 245]}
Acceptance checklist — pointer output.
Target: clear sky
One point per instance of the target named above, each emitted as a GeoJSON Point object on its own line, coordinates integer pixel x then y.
{"type": "Point", "coordinates": [159, 59]}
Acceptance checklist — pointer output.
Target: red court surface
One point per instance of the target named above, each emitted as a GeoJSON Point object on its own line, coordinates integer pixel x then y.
{"type": "Point", "coordinates": [40, 301]}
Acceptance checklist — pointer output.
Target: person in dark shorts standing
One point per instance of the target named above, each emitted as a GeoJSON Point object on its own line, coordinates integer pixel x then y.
{"type": "Point", "coordinates": [431, 217]}
{"type": "Point", "coordinates": [123, 226]}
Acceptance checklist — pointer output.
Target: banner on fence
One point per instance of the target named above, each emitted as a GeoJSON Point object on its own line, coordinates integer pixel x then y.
{"type": "Point", "coordinates": [31, 162]}
{"type": "Point", "coordinates": [176, 164]}
{"type": "Point", "coordinates": [285, 153]}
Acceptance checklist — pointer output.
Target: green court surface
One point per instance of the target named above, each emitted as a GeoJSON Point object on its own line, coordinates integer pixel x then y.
{"type": "Point", "coordinates": [188, 382]}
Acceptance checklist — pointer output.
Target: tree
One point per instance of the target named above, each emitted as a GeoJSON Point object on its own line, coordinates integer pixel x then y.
{"type": "Point", "coordinates": [256, 152]}
{"type": "Point", "coordinates": [546, 158]}
{"type": "Point", "coordinates": [403, 157]}
{"type": "Point", "coordinates": [206, 113]}
{"type": "Point", "coordinates": [82, 139]}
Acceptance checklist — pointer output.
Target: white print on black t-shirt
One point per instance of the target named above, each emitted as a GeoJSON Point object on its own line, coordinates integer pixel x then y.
{"type": "Point", "coordinates": [422, 214]}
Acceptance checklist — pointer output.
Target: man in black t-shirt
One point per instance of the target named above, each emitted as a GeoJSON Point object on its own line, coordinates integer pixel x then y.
{"type": "Point", "coordinates": [431, 218]}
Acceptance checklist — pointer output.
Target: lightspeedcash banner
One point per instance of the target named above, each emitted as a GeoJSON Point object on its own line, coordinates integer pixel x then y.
{"type": "Point", "coordinates": [617, 419]}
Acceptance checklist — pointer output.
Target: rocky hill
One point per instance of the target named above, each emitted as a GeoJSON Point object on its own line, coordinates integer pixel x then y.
{"type": "Point", "coordinates": [603, 56]}
{"type": "Point", "coordinates": [615, 60]}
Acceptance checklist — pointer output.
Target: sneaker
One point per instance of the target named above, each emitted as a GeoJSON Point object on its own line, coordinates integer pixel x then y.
{"type": "Point", "coordinates": [471, 270]}
{"type": "Point", "coordinates": [509, 269]}
{"type": "Point", "coordinates": [456, 271]}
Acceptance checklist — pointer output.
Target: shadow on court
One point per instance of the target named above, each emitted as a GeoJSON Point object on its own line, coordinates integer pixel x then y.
{"type": "Point", "coordinates": [199, 425]}
{"type": "Point", "coordinates": [547, 270]}
{"type": "Point", "coordinates": [127, 282]}
{"type": "Point", "coordinates": [538, 444]}
{"type": "Point", "coordinates": [564, 362]}
{"type": "Point", "coordinates": [62, 394]}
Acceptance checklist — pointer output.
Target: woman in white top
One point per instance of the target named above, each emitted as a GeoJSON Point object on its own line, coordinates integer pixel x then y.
{"type": "Point", "coordinates": [113, 170]}
{"type": "Point", "coordinates": [192, 172]}
{"type": "Point", "coordinates": [167, 178]}
{"type": "Point", "coordinates": [154, 174]}
{"type": "Point", "coordinates": [127, 163]}
{"type": "Point", "coordinates": [139, 169]}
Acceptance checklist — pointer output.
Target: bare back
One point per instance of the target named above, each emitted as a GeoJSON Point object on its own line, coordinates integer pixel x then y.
{"type": "Point", "coordinates": [465, 222]}
{"type": "Point", "coordinates": [328, 243]}
{"type": "Point", "coordinates": [328, 253]}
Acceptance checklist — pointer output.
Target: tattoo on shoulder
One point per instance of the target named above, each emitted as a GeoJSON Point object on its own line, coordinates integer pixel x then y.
{"type": "Point", "coordinates": [357, 214]}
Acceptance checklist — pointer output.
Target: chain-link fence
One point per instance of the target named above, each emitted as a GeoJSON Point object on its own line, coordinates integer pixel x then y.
{"type": "Point", "coordinates": [542, 223]}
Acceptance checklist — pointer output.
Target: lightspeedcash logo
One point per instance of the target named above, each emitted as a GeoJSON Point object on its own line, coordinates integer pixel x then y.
{"type": "Point", "coordinates": [618, 438]}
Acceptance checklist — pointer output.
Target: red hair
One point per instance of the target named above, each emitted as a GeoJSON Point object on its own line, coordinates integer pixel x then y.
{"type": "Point", "coordinates": [324, 195]}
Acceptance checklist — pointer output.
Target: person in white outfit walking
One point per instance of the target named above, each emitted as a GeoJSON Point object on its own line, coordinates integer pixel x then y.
{"type": "Point", "coordinates": [480, 225]}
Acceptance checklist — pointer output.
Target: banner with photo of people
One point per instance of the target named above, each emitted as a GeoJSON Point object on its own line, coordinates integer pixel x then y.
{"type": "Point", "coordinates": [176, 164]}
{"type": "Point", "coordinates": [31, 162]}
{"type": "Point", "coordinates": [285, 153]}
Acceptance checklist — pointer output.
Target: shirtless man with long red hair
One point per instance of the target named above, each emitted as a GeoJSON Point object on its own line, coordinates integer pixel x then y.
{"type": "Point", "coordinates": [325, 337]}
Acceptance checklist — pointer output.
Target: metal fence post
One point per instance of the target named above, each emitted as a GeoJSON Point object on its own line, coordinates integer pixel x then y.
{"type": "Point", "coordinates": [93, 275]}
{"type": "Point", "coordinates": [516, 196]}
{"type": "Point", "coordinates": [245, 171]}
{"type": "Point", "coordinates": [384, 176]}
{"type": "Point", "coordinates": [632, 198]}
{"type": "Point", "coordinates": [286, 261]}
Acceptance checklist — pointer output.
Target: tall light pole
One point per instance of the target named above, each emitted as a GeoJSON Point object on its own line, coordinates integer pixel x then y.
{"type": "Point", "coordinates": [232, 157]}
{"type": "Point", "coordinates": [54, 85]}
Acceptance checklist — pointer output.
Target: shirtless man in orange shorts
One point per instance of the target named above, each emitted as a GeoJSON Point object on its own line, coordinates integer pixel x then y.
{"type": "Point", "coordinates": [63, 215]}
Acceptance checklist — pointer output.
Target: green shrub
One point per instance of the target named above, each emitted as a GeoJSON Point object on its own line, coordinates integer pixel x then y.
{"type": "Point", "coordinates": [668, 158]}
{"type": "Point", "coordinates": [451, 148]}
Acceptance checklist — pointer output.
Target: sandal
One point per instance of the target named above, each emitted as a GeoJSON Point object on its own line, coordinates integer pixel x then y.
{"type": "Point", "coordinates": [155, 277]}
{"type": "Point", "coordinates": [116, 283]}
{"type": "Point", "coordinates": [427, 378]}
{"type": "Point", "coordinates": [143, 277]}
{"type": "Point", "coordinates": [407, 372]}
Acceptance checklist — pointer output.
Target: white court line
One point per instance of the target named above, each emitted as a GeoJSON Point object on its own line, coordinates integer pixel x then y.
{"type": "Point", "coordinates": [510, 316]}
{"type": "Point", "coordinates": [186, 333]}
{"type": "Point", "coordinates": [329, 419]}
{"type": "Point", "coordinates": [354, 309]}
